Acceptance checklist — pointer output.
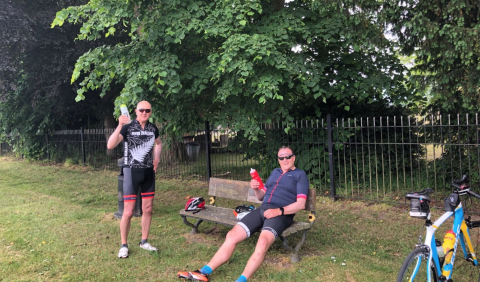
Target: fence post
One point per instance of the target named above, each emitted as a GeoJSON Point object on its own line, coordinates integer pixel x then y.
{"type": "Point", "coordinates": [330, 157]}
{"type": "Point", "coordinates": [208, 137]}
{"type": "Point", "coordinates": [48, 152]}
{"type": "Point", "coordinates": [83, 146]}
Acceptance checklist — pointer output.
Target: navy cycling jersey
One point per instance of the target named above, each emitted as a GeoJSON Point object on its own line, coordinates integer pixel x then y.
{"type": "Point", "coordinates": [138, 144]}
{"type": "Point", "coordinates": [283, 189]}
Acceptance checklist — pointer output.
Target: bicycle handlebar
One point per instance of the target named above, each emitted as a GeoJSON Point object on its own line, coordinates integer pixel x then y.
{"type": "Point", "coordinates": [460, 184]}
{"type": "Point", "coordinates": [461, 181]}
{"type": "Point", "coordinates": [470, 192]}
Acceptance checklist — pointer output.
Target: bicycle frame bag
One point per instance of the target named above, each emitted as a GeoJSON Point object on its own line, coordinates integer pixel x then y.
{"type": "Point", "coordinates": [451, 202]}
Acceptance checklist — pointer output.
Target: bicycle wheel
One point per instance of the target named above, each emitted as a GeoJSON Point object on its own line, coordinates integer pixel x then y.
{"type": "Point", "coordinates": [464, 270]}
{"type": "Point", "coordinates": [414, 268]}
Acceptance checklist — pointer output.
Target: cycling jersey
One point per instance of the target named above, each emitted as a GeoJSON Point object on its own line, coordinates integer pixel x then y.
{"type": "Point", "coordinates": [138, 144]}
{"type": "Point", "coordinates": [283, 189]}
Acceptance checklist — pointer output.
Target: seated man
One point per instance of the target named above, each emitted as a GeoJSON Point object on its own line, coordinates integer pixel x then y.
{"type": "Point", "coordinates": [284, 194]}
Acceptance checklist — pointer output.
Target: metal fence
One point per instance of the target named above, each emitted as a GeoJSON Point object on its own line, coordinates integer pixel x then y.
{"type": "Point", "coordinates": [376, 158]}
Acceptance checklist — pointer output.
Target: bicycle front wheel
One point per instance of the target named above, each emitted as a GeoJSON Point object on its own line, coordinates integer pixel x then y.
{"type": "Point", "coordinates": [414, 268]}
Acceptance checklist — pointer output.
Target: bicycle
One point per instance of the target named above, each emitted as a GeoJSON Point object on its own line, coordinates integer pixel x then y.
{"type": "Point", "coordinates": [424, 262]}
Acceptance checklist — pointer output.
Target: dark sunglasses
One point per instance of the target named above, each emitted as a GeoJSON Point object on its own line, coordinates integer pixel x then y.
{"type": "Point", "coordinates": [287, 157]}
{"type": "Point", "coordinates": [145, 110]}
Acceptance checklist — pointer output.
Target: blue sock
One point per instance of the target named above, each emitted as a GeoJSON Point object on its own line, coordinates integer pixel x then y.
{"type": "Point", "coordinates": [206, 270]}
{"type": "Point", "coordinates": [241, 279]}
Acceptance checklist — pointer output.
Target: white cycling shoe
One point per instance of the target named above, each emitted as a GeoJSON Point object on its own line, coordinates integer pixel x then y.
{"type": "Point", "coordinates": [123, 253]}
{"type": "Point", "coordinates": [148, 247]}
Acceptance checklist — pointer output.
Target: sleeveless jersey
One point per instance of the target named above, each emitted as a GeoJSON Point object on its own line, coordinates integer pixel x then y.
{"type": "Point", "coordinates": [138, 144]}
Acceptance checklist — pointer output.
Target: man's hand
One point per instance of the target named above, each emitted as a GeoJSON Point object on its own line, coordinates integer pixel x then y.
{"type": "Point", "coordinates": [272, 213]}
{"type": "Point", "coordinates": [254, 184]}
{"type": "Point", "coordinates": [123, 120]}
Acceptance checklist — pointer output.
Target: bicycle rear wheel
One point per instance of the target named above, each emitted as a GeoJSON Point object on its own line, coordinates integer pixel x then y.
{"type": "Point", "coordinates": [414, 268]}
{"type": "Point", "coordinates": [464, 270]}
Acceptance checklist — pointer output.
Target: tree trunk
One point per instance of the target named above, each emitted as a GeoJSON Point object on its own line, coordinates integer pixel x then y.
{"type": "Point", "coordinates": [279, 4]}
{"type": "Point", "coordinates": [109, 123]}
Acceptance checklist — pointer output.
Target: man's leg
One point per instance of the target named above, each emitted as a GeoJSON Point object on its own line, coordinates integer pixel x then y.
{"type": "Point", "coordinates": [148, 194]}
{"type": "Point", "coordinates": [125, 221]}
{"type": "Point", "coordinates": [234, 236]}
{"type": "Point", "coordinates": [147, 204]}
{"type": "Point", "coordinates": [265, 240]}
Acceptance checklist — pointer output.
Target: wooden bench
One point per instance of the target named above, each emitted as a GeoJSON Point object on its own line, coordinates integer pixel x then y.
{"type": "Point", "coordinates": [240, 190]}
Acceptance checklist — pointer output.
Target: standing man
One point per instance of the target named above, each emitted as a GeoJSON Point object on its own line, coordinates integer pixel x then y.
{"type": "Point", "coordinates": [284, 194]}
{"type": "Point", "coordinates": [140, 165]}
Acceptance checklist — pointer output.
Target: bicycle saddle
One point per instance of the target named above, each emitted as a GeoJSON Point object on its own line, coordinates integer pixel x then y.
{"type": "Point", "coordinates": [424, 194]}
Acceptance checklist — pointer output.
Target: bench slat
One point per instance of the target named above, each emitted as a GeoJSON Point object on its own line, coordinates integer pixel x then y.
{"type": "Point", "coordinates": [240, 190]}
{"type": "Point", "coordinates": [232, 189]}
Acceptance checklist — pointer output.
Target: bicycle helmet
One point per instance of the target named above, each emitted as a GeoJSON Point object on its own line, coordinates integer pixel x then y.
{"type": "Point", "coordinates": [195, 204]}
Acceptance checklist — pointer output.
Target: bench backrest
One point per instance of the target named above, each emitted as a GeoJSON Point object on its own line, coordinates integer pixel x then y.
{"type": "Point", "coordinates": [240, 190]}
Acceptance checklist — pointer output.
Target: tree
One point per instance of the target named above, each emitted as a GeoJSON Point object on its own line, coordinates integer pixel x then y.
{"type": "Point", "coordinates": [233, 62]}
{"type": "Point", "coordinates": [36, 96]}
{"type": "Point", "coordinates": [444, 36]}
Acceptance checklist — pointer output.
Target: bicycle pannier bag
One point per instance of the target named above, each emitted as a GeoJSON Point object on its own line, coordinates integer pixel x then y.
{"type": "Point", "coordinates": [451, 202]}
{"type": "Point", "coordinates": [419, 208]}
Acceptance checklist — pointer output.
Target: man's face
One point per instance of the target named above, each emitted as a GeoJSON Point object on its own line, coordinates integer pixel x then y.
{"type": "Point", "coordinates": [286, 164]}
{"type": "Point", "coordinates": [143, 111]}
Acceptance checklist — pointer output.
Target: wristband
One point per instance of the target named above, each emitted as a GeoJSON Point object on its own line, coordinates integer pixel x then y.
{"type": "Point", "coordinates": [281, 209]}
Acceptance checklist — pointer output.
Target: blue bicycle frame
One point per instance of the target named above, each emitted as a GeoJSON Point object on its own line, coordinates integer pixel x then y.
{"type": "Point", "coordinates": [461, 234]}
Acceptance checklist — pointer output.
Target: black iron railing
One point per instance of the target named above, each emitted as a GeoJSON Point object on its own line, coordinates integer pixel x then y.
{"type": "Point", "coordinates": [372, 158]}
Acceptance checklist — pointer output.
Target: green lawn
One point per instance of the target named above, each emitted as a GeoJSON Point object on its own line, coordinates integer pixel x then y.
{"type": "Point", "coordinates": [57, 224]}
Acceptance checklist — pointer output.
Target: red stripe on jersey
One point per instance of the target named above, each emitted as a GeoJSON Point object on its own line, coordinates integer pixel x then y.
{"type": "Point", "coordinates": [275, 187]}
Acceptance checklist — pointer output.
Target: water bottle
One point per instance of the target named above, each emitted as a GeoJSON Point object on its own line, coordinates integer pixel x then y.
{"type": "Point", "coordinates": [440, 251]}
{"type": "Point", "coordinates": [448, 244]}
{"type": "Point", "coordinates": [255, 176]}
{"type": "Point", "coordinates": [124, 110]}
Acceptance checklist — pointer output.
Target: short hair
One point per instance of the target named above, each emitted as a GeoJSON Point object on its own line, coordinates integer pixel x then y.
{"type": "Point", "coordinates": [286, 147]}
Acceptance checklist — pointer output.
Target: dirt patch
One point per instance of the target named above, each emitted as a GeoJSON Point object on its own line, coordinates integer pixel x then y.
{"type": "Point", "coordinates": [279, 263]}
{"type": "Point", "coordinates": [109, 217]}
{"type": "Point", "coordinates": [212, 236]}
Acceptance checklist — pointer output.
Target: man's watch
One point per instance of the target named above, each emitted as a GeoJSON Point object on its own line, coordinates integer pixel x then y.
{"type": "Point", "coordinates": [281, 209]}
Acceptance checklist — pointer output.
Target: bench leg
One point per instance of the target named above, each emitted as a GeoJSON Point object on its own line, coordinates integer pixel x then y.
{"type": "Point", "coordinates": [295, 257]}
{"type": "Point", "coordinates": [194, 227]}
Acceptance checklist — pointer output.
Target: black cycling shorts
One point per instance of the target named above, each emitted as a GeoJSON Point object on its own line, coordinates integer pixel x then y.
{"type": "Point", "coordinates": [255, 221]}
{"type": "Point", "coordinates": [138, 178]}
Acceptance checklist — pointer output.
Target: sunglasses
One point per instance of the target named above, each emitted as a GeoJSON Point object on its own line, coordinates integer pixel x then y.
{"type": "Point", "coordinates": [287, 157]}
{"type": "Point", "coordinates": [145, 110]}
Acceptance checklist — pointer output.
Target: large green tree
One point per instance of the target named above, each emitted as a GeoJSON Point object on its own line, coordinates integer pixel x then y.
{"type": "Point", "coordinates": [444, 36]}
{"type": "Point", "coordinates": [234, 62]}
{"type": "Point", "coordinates": [36, 96]}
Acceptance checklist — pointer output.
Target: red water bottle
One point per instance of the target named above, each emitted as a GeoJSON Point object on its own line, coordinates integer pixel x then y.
{"type": "Point", "coordinates": [255, 176]}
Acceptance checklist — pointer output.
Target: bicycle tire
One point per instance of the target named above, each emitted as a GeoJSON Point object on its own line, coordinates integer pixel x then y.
{"type": "Point", "coordinates": [416, 262]}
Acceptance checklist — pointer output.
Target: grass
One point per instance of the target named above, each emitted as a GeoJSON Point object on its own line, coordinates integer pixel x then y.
{"type": "Point", "coordinates": [57, 224]}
